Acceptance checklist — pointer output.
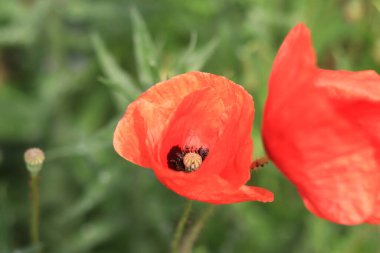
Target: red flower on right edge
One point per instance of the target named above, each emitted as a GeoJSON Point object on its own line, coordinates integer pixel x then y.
{"type": "Point", "coordinates": [322, 129]}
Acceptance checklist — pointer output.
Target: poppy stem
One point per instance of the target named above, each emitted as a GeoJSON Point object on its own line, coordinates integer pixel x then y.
{"type": "Point", "coordinates": [35, 211]}
{"type": "Point", "coordinates": [180, 227]}
{"type": "Point", "coordinates": [259, 162]}
{"type": "Point", "coordinates": [196, 229]}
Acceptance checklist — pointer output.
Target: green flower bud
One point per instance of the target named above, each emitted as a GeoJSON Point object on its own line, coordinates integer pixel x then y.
{"type": "Point", "coordinates": [34, 159]}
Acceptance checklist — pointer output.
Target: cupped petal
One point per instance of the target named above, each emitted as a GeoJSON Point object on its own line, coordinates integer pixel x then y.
{"type": "Point", "coordinates": [356, 96]}
{"type": "Point", "coordinates": [330, 159]}
{"type": "Point", "coordinates": [219, 118]}
{"type": "Point", "coordinates": [137, 133]}
{"type": "Point", "coordinates": [199, 121]}
{"type": "Point", "coordinates": [130, 135]}
{"type": "Point", "coordinates": [200, 110]}
{"type": "Point", "coordinates": [350, 86]}
{"type": "Point", "coordinates": [295, 58]}
{"type": "Point", "coordinates": [214, 190]}
{"type": "Point", "coordinates": [238, 170]}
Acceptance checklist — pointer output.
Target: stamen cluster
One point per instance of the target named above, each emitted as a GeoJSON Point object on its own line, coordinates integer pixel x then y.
{"type": "Point", "coordinates": [177, 161]}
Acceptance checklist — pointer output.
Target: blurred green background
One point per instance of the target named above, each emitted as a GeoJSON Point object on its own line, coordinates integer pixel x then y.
{"type": "Point", "coordinates": [68, 69]}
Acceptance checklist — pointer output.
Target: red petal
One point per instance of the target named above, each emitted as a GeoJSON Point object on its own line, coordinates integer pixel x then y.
{"type": "Point", "coordinates": [357, 97]}
{"type": "Point", "coordinates": [237, 171]}
{"type": "Point", "coordinates": [350, 86]}
{"type": "Point", "coordinates": [219, 118]}
{"type": "Point", "coordinates": [214, 190]}
{"type": "Point", "coordinates": [194, 109]}
{"type": "Point", "coordinates": [138, 132]}
{"type": "Point", "coordinates": [129, 138]}
{"type": "Point", "coordinates": [375, 217]}
{"type": "Point", "coordinates": [327, 156]}
{"type": "Point", "coordinates": [295, 59]}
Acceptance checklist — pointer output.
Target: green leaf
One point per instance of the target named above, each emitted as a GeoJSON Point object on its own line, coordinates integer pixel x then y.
{"type": "Point", "coordinates": [201, 56]}
{"type": "Point", "coordinates": [195, 59]}
{"type": "Point", "coordinates": [145, 51]}
{"type": "Point", "coordinates": [118, 80]}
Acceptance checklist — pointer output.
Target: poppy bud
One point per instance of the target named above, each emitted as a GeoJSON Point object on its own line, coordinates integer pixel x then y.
{"type": "Point", "coordinates": [34, 159]}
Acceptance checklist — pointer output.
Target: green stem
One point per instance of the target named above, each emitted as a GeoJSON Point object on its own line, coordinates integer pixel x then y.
{"type": "Point", "coordinates": [195, 230]}
{"type": "Point", "coordinates": [180, 227]}
{"type": "Point", "coordinates": [35, 215]}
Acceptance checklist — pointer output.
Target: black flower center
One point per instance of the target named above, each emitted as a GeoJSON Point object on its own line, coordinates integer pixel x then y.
{"type": "Point", "coordinates": [186, 159]}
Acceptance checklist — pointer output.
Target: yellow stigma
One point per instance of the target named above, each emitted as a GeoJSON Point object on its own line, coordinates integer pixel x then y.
{"type": "Point", "coordinates": [192, 161]}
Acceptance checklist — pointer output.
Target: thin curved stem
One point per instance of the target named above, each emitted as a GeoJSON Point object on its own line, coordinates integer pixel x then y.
{"type": "Point", "coordinates": [195, 230]}
{"type": "Point", "coordinates": [180, 227]}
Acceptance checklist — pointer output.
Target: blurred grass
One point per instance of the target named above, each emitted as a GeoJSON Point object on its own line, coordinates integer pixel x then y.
{"type": "Point", "coordinates": [69, 68]}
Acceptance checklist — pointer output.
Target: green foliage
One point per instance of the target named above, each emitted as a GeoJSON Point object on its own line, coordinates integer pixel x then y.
{"type": "Point", "coordinates": [119, 81]}
{"type": "Point", "coordinates": [68, 69]}
{"type": "Point", "coordinates": [145, 51]}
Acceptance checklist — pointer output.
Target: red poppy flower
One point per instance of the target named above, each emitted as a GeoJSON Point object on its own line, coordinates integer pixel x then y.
{"type": "Point", "coordinates": [322, 129]}
{"type": "Point", "coordinates": [194, 131]}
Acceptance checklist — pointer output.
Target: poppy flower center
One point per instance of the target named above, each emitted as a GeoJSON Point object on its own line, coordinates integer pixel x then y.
{"type": "Point", "coordinates": [188, 159]}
